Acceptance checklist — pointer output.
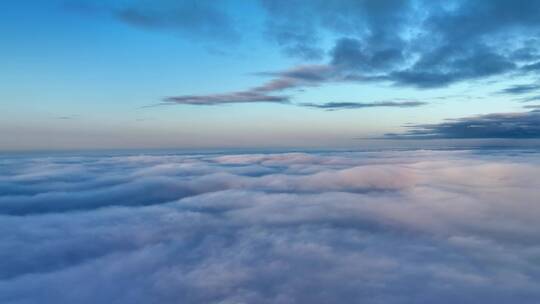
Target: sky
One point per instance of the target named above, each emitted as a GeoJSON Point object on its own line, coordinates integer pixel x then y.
{"type": "Point", "coordinates": [270, 151]}
{"type": "Point", "coordinates": [190, 74]}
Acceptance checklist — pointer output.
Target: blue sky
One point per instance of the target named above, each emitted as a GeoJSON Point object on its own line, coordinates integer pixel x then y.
{"type": "Point", "coordinates": [182, 74]}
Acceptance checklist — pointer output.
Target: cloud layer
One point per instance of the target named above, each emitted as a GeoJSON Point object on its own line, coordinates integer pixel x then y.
{"type": "Point", "coordinates": [370, 227]}
{"type": "Point", "coordinates": [499, 125]}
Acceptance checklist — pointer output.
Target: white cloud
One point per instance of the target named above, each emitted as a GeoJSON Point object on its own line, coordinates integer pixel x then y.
{"type": "Point", "coordinates": [385, 227]}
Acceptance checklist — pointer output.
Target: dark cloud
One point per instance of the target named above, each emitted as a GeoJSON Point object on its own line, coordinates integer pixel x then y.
{"type": "Point", "coordinates": [408, 40]}
{"type": "Point", "coordinates": [532, 98]}
{"type": "Point", "coordinates": [67, 117]}
{"type": "Point", "coordinates": [441, 69]}
{"type": "Point", "coordinates": [257, 94]}
{"type": "Point", "coordinates": [416, 43]}
{"type": "Point", "coordinates": [192, 18]}
{"type": "Point", "coordinates": [409, 43]}
{"type": "Point", "coordinates": [352, 54]}
{"type": "Point", "coordinates": [307, 73]}
{"type": "Point", "coordinates": [521, 89]}
{"type": "Point", "coordinates": [236, 97]}
{"type": "Point", "coordinates": [528, 53]}
{"type": "Point", "coordinates": [360, 105]}
{"type": "Point", "coordinates": [297, 77]}
{"type": "Point", "coordinates": [504, 125]}
{"type": "Point", "coordinates": [299, 26]}
{"type": "Point", "coordinates": [413, 43]}
{"type": "Point", "coordinates": [199, 20]}
{"type": "Point", "coordinates": [294, 33]}
{"type": "Point", "coordinates": [532, 67]}
{"type": "Point", "coordinates": [370, 227]}
{"type": "Point", "coordinates": [406, 43]}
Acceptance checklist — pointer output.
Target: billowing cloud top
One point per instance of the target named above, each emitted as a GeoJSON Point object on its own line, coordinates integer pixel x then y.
{"type": "Point", "coordinates": [369, 227]}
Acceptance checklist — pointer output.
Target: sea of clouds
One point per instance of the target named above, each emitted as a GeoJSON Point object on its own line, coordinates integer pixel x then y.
{"type": "Point", "coordinates": [343, 227]}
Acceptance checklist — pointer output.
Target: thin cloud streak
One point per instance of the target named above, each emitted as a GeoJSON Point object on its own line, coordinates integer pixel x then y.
{"type": "Point", "coordinates": [298, 77]}
{"type": "Point", "coordinates": [521, 89]}
{"type": "Point", "coordinates": [236, 97]}
{"type": "Point", "coordinates": [331, 106]}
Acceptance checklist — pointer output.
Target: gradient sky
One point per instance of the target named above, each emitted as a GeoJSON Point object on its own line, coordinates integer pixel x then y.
{"type": "Point", "coordinates": [221, 74]}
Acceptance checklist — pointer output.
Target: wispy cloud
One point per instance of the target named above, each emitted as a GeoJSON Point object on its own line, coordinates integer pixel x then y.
{"type": "Point", "coordinates": [359, 105]}
{"type": "Point", "coordinates": [198, 20]}
{"type": "Point", "coordinates": [298, 77]}
{"type": "Point", "coordinates": [236, 97]}
{"type": "Point", "coordinates": [521, 89]}
{"type": "Point", "coordinates": [67, 117]}
{"type": "Point", "coordinates": [531, 98]}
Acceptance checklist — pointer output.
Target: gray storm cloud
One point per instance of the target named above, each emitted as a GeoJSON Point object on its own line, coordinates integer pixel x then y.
{"type": "Point", "coordinates": [370, 227]}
